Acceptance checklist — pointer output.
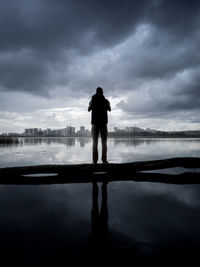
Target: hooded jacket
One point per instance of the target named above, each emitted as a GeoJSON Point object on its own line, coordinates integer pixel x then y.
{"type": "Point", "coordinates": [99, 106]}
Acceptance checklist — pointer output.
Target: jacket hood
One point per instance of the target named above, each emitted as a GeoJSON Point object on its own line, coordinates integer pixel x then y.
{"type": "Point", "coordinates": [98, 96]}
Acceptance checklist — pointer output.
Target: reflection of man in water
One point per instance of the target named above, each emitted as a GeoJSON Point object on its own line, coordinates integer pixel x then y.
{"type": "Point", "coordinates": [99, 106]}
{"type": "Point", "coordinates": [99, 238]}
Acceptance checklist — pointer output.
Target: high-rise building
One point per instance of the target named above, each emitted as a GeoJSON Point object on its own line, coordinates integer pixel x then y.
{"type": "Point", "coordinates": [70, 131]}
{"type": "Point", "coordinates": [31, 132]}
{"type": "Point", "coordinates": [82, 130]}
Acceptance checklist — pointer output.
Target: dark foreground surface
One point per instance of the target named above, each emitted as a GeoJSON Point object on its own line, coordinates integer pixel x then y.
{"type": "Point", "coordinates": [188, 169]}
{"type": "Point", "coordinates": [114, 223]}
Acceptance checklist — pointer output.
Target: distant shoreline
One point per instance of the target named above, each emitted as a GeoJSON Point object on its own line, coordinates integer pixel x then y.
{"type": "Point", "coordinates": [109, 136]}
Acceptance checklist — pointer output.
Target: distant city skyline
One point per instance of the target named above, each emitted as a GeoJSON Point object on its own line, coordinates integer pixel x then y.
{"type": "Point", "coordinates": [83, 131]}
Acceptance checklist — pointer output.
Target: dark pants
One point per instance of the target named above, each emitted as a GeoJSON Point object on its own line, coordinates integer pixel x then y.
{"type": "Point", "coordinates": [103, 131]}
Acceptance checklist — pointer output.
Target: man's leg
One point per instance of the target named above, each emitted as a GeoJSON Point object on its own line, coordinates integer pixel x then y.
{"type": "Point", "coordinates": [95, 135]}
{"type": "Point", "coordinates": [104, 134]}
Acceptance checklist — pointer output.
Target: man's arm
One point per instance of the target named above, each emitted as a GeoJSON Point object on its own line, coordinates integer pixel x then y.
{"type": "Point", "coordinates": [90, 106]}
{"type": "Point", "coordinates": [108, 106]}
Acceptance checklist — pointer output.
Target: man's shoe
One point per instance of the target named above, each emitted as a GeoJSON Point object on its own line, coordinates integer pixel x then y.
{"type": "Point", "coordinates": [94, 162]}
{"type": "Point", "coordinates": [105, 162]}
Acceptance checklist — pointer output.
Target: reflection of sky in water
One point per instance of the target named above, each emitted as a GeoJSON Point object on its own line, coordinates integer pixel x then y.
{"type": "Point", "coordinates": [41, 220]}
{"type": "Point", "coordinates": [33, 151]}
{"type": "Point", "coordinates": [154, 212]}
{"type": "Point", "coordinates": [174, 170]}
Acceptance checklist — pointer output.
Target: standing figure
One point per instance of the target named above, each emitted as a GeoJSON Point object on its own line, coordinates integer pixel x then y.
{"type": "Point", "coordinates": [99, 120]}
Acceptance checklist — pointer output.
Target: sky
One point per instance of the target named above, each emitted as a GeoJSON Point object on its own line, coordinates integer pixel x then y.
{"type": "Point", "coordinates": [143, 53]}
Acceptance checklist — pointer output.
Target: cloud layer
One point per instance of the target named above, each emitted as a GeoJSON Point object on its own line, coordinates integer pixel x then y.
{"type": "Point", "coordinates": [143, 53]}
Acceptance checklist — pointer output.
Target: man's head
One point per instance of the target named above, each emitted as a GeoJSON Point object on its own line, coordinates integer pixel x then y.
{"type": "Point", "coordinates": [99, 91]}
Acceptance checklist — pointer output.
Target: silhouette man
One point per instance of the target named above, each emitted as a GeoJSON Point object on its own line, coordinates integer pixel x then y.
{"type": "Point", "coordinates": [99, 106]}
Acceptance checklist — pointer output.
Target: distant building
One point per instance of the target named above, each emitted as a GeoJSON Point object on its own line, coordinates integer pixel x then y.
{"type": "Point", "coordinates": [32, 132]}
{"type": "Point", "coordinates": [82, 130]}
{"type": "Point", "coordinates": [26, 132]}
{"type": "Point", "coordinates": [48, 131]}
{"type": "Point", "coordinates": [87, 132]}
{"type": "Point", "coordinates": [150, 130]}
{"type": "Point", "coordinates": [70, 131]}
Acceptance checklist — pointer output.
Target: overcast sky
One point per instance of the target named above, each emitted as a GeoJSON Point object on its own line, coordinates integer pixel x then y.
{"type": "Point", "coordinates": [144, 54]}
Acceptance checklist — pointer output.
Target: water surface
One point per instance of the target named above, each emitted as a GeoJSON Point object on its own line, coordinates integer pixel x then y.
{"type": "Point", "coordinates": [37, 151]}
{"type": "Point", "coordinates": [43, 224]}
{"type": "Point", "coordinates": [117, 224]}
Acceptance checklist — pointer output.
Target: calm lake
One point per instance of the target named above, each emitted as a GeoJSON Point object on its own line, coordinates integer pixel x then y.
{"type": "Point", "coordinates": [94, 223]}
{"type": "Point", "coordinates": [38, 151]}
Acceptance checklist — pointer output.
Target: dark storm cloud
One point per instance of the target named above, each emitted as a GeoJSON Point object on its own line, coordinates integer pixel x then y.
{"type": "Point", "coordinates": [175, 97]}
{"type": "Point", "coordinates": [35, 34]}
{"type": "Point", "coordinates": [178, 17]}
{"type": "Point", "coordinates": [41, 39]}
